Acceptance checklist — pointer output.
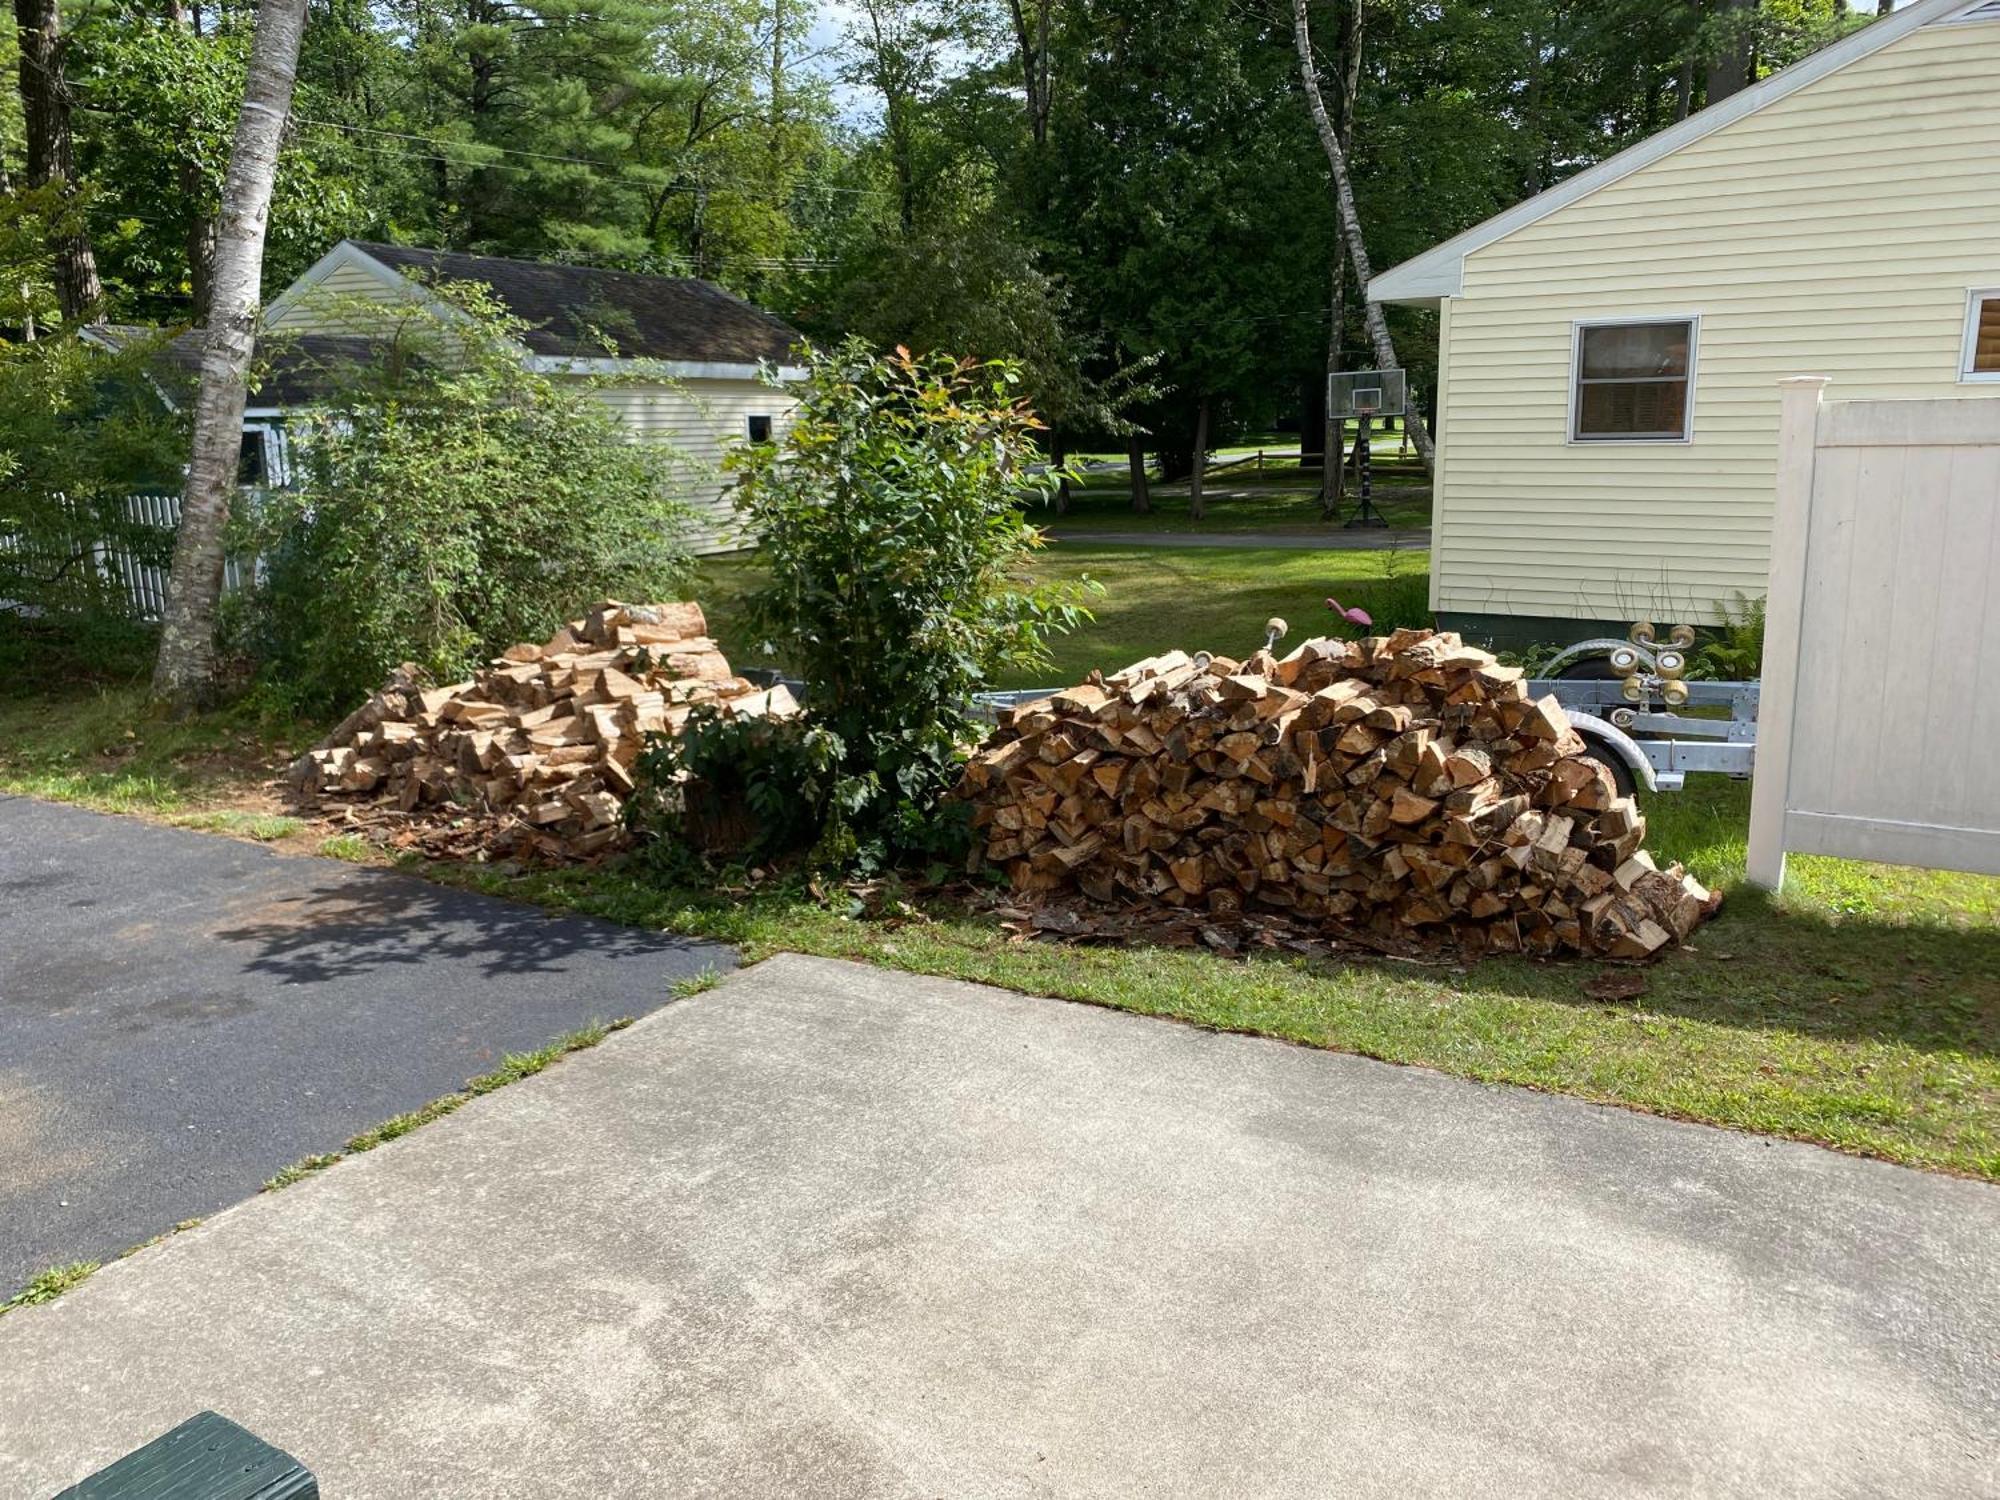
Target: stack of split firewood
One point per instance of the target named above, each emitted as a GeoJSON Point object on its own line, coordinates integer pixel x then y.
{"type": "Point", "coordinates": [1404, 788]}
{"type": "Point", "coordinates": [533, 756]}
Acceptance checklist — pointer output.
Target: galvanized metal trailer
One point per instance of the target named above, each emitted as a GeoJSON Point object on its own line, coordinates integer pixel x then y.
{"type": "Point", "coordinates": [1623, 699]}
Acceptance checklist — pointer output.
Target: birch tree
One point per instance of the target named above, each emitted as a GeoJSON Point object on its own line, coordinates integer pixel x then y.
{"type": "Point", "coordinates": [1333, 466]}
{"type": "Point", "coordinates": [184, 674]}
{"type": "Point", "coordinates": [1350, 229]}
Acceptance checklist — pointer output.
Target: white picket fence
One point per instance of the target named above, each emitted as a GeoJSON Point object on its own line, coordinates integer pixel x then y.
{"type": "Point", "coordinates": [142, 581]}
{"type": "Point", "coordinates": [1881, 690]}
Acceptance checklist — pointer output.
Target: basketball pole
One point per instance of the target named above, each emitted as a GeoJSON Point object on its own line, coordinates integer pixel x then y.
{"type": "Point", "coordinates": [1365, 513]}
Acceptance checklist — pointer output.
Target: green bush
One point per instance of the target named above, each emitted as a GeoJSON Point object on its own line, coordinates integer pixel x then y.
{"type": "Point", "coordinates": [890, 518]}
{"type": "Point", "coordinates": [777, 775]}
{"type": "Point", "coordinates": [81, 429]}
{"type": "Point", "coordinates": [453, 502]}
{"type": "Point", "coordinates": [1736, 653]}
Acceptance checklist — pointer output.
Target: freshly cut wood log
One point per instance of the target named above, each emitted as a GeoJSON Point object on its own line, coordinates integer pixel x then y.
{"type": "Point", "coordinates": [539, 748]}
{"type": "Point", "coordinates": [1402, 789]}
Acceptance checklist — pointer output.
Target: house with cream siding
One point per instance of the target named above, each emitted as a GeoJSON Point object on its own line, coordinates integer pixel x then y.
{"type": "Point", "coordinates": [1610, 350]}
{"type": "Point", "coordinates": [678, 359]}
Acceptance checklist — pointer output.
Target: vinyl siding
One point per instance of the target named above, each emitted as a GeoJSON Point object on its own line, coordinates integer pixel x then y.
{"type": "Point", "coordinates": [702, 419]}
{"type": "Point", "coordinates": [1835, 232]}
{"type": "Point", "coordinates": [322, 313]}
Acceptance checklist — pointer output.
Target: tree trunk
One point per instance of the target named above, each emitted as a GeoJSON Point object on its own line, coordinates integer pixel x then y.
{"type": "Point", "coordinates": [1031, 40]}
{"type": "Point", "coordinates": [1135, 455]}
{"type": "Point", "coordinates": [1197, 506]}
{"type": "Point", "coordinates": [200, 247]}
{"type": "Point", "coordinates": [51, 153]}
{"type": "Point", "coordinates": [185, 672]}
{"type": "Point", "coordinates": [200, 241]}
{"type": "Point", "coordinates": [1731, 63]}
{"type": "Point", "coordinates": [1059, 455]}
{"type": "Point", "coordinates": [774, 151]}
{"type": "Point", "coordinates": [1333, 469]}
{"type": "Point", "coordinates": [1350, 228]}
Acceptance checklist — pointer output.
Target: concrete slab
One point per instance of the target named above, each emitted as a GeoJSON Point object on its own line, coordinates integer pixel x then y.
{"type": "Point", "coordinates": [182, 1015]}
{"type": "Point", "coordinates": [831, 1231]}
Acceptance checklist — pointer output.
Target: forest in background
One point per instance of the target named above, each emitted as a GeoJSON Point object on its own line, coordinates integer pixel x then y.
{"type": "Point", "coordinates": [1084, 185]}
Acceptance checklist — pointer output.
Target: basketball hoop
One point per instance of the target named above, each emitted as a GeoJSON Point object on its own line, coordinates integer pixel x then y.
{"type": "Point", "coordinates": [1366, 393]}
{"type": "Point", "coordinates": [1362, 396]}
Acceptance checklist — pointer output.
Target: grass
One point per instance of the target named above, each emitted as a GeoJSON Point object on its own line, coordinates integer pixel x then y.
{"type": "Point", "coordinates": [351, 847]}
{"type": "Point", "coordinates": [51, 1284]}
{"type": "Point", "coordinates": [1278, 497]}
{"type": "Point", "coordinates": [1860, 1010]}
{"type": "Point", "coordinates": [106, 749]}
{"type": "Point", "coordinates": [513, 1068]}
{"type": "Point", "coordinates": [1210, 598]}
{"type": "Point", "coordinates": [262, 827]}
{"type": "Point", "coordinates": [698, 983]}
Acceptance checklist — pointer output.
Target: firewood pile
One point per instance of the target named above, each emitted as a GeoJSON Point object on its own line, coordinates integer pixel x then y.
{"type": "Point", "coordinates": [1404, 790]}
{"type": "Point", "coordinates": [532, 757]}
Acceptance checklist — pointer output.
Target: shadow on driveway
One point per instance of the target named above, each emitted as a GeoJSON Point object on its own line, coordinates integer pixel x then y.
{"type": "Point", "coordinates": [181, 1015]}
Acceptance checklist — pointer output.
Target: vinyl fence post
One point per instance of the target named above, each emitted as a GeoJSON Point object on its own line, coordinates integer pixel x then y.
{"type": "Point", "coordinates": [1798, 443]}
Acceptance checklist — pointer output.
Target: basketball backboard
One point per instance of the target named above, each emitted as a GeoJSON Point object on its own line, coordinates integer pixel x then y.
{"type": "Point", "coordinates": [1365, 393]}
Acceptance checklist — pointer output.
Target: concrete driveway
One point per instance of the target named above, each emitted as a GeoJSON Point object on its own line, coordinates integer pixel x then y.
{"type": "Point", "coordinates": [830, 1231]}
{"type": "Point", "coordinates": [181, 1015]}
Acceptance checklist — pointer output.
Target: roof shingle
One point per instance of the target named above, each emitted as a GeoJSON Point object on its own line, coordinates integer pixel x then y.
{"type": "Point", "coordinates": [589, 312]}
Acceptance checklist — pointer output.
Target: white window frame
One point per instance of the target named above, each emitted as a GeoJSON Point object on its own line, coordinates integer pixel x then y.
{"type": "Point", "coordinates": [268, 423]}
{"type": "Point", "coordinates": [756, 416]}
{"type": "Point", "coordinates": [1576, 332]}
{"type": "Point", "coordinates": [1974, 299]}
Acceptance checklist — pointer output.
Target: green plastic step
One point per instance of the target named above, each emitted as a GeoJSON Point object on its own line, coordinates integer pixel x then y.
{"type": "Point", "coordinates": [207, 1457]}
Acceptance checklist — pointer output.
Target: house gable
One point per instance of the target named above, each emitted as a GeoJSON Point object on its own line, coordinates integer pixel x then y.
{"type": "Point", "coordinates": [1839, 231]}
{"type": "Point", "coordinates": [1440, 271]}
{"type": "Point", "coordinates": [582, 320]}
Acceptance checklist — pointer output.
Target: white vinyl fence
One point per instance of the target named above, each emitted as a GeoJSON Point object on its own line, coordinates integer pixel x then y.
{"type": "Point", "coordinates": [1880, 713]}
{"type": "Point", "coordinates": [144, 583]}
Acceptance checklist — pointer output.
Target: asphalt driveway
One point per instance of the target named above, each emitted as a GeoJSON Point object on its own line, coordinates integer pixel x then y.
{"type": "Point", "coordinates": [183, 1015]}
{"type": "Point", "coordinates": [828, 1231]}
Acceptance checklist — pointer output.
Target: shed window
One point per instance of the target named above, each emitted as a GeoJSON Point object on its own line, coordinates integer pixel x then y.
{"type": "Point", "coordinates": [1633, 381]}
{"type": "Point", "coordinates": [760, 429]}
{"type": "Point", "coordinates": [1982, 337]}
{"type": "Point", "coordinates": [252, 458]}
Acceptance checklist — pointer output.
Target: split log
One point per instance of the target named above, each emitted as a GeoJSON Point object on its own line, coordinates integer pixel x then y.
{"type": "Point", "coordinates": [537, 751]}
{"type": "Point", "coordinates": [1402, 787]}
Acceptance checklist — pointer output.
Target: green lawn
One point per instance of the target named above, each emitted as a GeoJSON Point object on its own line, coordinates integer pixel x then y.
{"type": "Point", "coordinates": [1862, 1010]}
{"type": "Point", "coordinates": [1271, 495]}
{"type": "Point", "coordinates": [1211, 599]}
{"type": "Point", "coordinates": [1278, 497]}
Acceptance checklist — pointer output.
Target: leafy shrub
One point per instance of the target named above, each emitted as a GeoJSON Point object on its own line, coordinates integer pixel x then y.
{"type": "Point", "coordinates": [1534, 659]}
{"type": "Point", "coordinates": [81, 430]}
{"type": "Point", "coordinates": [783, 773]}
{"type": "Point", "coordinates": [452, 502]}
{"type": "Point", "coordinates": [1736, 653]}
{"type": "Point", "coordinates": [890, 518]}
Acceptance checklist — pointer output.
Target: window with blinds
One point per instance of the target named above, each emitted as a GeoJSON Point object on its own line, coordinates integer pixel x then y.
{"type": "Point", "coordinates": [1633, 381]}
{"type": "Point", "coordinates": [1982, 337]}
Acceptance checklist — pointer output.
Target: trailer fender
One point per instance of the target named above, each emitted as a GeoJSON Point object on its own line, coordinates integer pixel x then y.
{"type": "Point", "coordinates": [1618, 744]}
